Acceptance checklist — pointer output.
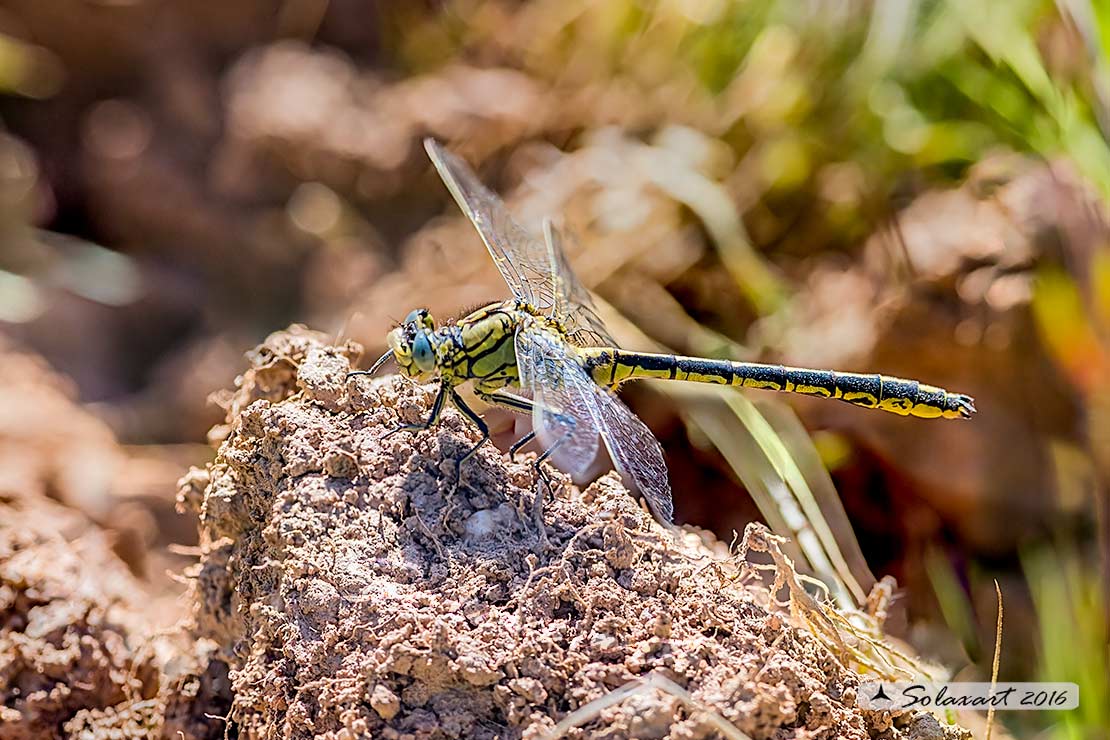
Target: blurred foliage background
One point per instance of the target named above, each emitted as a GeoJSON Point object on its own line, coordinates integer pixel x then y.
{"type": "Point", "coordinates": [914, 187]}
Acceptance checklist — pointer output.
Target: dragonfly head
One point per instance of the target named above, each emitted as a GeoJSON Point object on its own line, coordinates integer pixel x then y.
{"type": "Point", "coordinates": [414, 345]}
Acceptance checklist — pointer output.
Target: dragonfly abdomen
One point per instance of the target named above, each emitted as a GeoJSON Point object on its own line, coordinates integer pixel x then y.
{"type": "Point", "coordinates": [612, 367]}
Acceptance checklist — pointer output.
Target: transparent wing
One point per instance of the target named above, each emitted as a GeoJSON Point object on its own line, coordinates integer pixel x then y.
{"type": "Point", "coordinates": [574, 306]}
{"type": "Point", "coordinates": [564, 414]}
{"type": "Point", "coordinates": [537, 273]}
{"type": "Point", "coordinates": [571, 411]}
{"type": "Point", "coordinates": [636, 453]}
{"type": "Point", "coordinates": [523, 260]}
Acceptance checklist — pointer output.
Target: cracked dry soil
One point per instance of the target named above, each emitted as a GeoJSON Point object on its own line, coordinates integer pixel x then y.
{"type": "Point", "coordinates": [356, 588]}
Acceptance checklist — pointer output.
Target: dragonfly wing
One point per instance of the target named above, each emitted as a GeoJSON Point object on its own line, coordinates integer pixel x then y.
{"type": "Point", "coordinates": [636, 453]}
{"type": "Point", "coordinates": [570, 407]}
{"type": "Point", "coordinates": [574, 306]}
{"type": "Point", "coordinates": [564, 413]}
{"type": "Point", "coordinates": [522, 259]}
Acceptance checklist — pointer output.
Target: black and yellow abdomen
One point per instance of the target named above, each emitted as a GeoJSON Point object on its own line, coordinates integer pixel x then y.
{"type": "Point", "coordinates": [611, 367]}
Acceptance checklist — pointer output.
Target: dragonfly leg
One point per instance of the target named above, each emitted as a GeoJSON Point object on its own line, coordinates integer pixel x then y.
{"type": "Point", "coordinates": [515, 447]}
{"type": "Point", "coordinates": [543, 456]}
{"type": "Point", "coordinates": [525, 406]}
{"type": "Point", "coordinates": [512, 401]}
{"type": "Point", "coordinates": [543, 481]}
{"type": "Point", "coordinates": [433, 417]}
{"type": "Point", "coordinates": [551, 450]}
{"type": "Point", "coordinates": [570, 423]}
{"type": "Point", "coordinates": [478, 422]}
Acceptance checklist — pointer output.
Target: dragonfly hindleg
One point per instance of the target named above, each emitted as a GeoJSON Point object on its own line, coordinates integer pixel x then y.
{"type": "Point", "coordinates": [544, 481]}
{"type": "Point", "coordinates": [542, 474]}
{"type": "Point", "coordinates": [525, 406]}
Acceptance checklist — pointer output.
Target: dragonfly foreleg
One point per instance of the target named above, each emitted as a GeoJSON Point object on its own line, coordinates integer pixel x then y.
{"type": "Point", "coordinates": [433, 417]}
{"type": "Point", "coordinates": [445, 392]}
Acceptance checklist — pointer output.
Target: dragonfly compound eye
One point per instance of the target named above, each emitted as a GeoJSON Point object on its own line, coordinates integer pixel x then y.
{"type": "Point", "coordinates": [422, 353]}
{"type": "Point", "coordinates": [420, 317]}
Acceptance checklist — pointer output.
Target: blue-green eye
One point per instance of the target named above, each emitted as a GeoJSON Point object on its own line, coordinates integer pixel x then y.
{"type": "Point", "coordinates": [422, 353]}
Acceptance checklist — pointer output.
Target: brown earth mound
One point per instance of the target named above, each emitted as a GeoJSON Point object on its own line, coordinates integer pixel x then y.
{"type": "Point", "coordinates": [350, 584]}
{"type": "Point", "coordinates": [84, 527]}
{"type": "Point", "coordinates": [72, 634]}
{"type": "Point", "coordinates": [357, 587]}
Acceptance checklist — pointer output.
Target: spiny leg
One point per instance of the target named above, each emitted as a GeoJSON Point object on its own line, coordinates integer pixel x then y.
{"type": "Point", "coordinates": [449, 506]}
{"type": "Point", "coordinates": [524, 405]}
{"type": "Point", "coordinates": [433, 417]}
{"type": "Point", "coordinates": [516, 447]}
{"type": "Point", "coordinates": [448, 392]}
{"type": "Point", "coordinates": [542, 457]}
{"type": "Point", "coordinates": [478, 422]}
{"type": "Point", "coordinates": [543, 480]}
{"type": "Point", "coordinates": [438, 405]}
{"type": "Point", "coordinates": [512, 401]}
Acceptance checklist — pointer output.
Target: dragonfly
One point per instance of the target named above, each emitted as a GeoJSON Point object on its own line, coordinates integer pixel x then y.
{"type": "Point", "coordinates": [546, 352]}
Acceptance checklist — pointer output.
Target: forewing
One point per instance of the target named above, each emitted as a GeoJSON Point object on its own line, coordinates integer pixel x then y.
{"type": "Point", "coordinates": [574, 306]}
{"type": "Point", "coordinates": [522, 259]}
{"type": "Point", "coordinates": [565, 403]}
{"type": "Point", "coordinates": [636, 453]}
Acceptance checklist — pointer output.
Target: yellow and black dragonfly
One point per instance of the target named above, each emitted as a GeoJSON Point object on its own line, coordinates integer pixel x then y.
{"type": "Point", "coordinates": [547, 353]}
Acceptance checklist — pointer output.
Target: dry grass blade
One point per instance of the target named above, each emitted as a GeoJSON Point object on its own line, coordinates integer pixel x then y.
{"type": "Point", "coordinates": [997, 658]}
{"type": "Point", "coordinates": [651, 682]}
{"type": "Point", "coordinates": [712, 204]}
{"type": "Point", "coordinates": [853, 637]}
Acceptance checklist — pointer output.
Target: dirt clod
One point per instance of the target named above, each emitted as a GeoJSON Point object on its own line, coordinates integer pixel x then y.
{"type": "Point", "coordinates": [71, 636]}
